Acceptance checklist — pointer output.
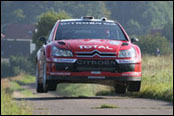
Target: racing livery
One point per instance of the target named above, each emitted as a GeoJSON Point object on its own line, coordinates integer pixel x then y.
{"type": "Point", "coordinates": [88, 50]}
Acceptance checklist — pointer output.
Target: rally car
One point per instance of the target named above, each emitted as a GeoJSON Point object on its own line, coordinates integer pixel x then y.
{"type": "Point", "coordinates": [88, 50]}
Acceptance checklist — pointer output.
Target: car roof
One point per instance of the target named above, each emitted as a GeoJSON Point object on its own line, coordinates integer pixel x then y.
{"type": "Point", "coordinates": [92, 20]}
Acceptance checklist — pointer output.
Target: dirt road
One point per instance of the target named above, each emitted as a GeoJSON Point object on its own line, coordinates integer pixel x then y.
{"type": "Point", "coordinates": [56, 105]}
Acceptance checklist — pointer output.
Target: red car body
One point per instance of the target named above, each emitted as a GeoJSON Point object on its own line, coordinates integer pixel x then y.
{"type": "Point", "coordinates": [88, 60]}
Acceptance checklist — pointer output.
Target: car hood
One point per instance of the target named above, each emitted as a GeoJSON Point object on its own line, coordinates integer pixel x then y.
{"type": "Point", "coordinates": [87, 45]}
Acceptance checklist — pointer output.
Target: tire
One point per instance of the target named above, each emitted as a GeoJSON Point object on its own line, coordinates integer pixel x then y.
{"type": "Point", "coordinates": [134, 86]}
{"type": "Point", "coordinates": [52, 86]}
{"type": "Point", "coordinates": [120, 88]}
{"type": "Point", "coordinates": [41, 86]}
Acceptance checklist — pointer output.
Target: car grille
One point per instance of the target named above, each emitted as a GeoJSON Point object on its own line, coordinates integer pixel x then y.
{"type": "Point", "coordinates": [96, 53]}
{"type": "Point", "coordinates": [95, 65]}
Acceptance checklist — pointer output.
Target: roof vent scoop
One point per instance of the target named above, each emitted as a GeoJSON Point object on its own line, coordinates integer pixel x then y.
{"type": "Point", "coordinates": [103, 18]}
{"type": "Point", "coordinates": [87, 17]}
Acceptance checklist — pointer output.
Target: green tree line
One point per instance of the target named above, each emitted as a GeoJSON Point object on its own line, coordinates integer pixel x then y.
{"type": "Point", "coordinates": [138, 17]}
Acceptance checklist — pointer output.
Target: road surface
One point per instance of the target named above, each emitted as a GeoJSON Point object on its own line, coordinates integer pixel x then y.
{"type": "Point", "coordinates": [51, 104]}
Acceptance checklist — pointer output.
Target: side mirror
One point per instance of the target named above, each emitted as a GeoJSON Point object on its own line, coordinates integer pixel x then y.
{"type": "Point", "coordinates": [43, 39]}
{"type": "Point", "coordinates": [133, 40]}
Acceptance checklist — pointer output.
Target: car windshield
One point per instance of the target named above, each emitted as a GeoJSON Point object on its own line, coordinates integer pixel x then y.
{"type": "Point", "coordinates": [89, 30]}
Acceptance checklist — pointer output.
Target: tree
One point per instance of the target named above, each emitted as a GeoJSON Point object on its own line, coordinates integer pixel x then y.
{"type": "Point", "coordinates": [167, 31]}
{"type": "Point", "coordinates": [148, 14]}
{"type": "Point", "coordinates": [32, 9]}
{"type": "Point", "coordinates": [133, 27]}
{"type": "Point", "coordinates": [149, 43]}
{"type": "Point", "coordinates": [18, 15]}
{"type": "Point", "coordinates": [45, 24]}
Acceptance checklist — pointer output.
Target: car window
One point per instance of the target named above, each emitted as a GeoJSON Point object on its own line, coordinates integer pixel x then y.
{"type": "Point", "coordinates": [89, 30]}
{"type": "Point", "coordinates": [51, 34]}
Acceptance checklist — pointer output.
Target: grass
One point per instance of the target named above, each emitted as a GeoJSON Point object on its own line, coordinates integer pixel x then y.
{"type": "Point", "coordinates": [157, 78]}
{"type": "Point", "coordinates": [106, 106]}
{"type": "Point", "coordinates": [23, 79]}
{"type": "Point", "coordinates": [8, 86]}
{"type": "Point", "coordinates": [84, 90]}
{"type": "Point", "coordinates": [76, 90]}
{"type": "Point", "coordinates": [18, 81]}
{"type": "Point", "coordinates": [9, 107]}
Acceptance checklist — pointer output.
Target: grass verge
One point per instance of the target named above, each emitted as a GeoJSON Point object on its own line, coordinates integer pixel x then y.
{"type": "Point", "coordinates": [9, 107]}
{"type": "Point", "coordinates": [18, 81]}
{"type": "Point", "coordinates": [157, 78]}
{"type": "Point", "coordinates": [10, 85]}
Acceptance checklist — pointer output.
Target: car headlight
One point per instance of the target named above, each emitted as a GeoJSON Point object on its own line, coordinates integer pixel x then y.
{"type": "Point", "coordinates": [127, 53]}
{"type": "Point", "coordinates": [61, 52]}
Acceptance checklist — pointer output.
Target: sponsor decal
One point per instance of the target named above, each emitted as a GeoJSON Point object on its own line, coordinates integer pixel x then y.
{"type": "Point", "coordinates": [61, 73]}
{"type": "Point", "coordinates": [87, 23]}
{"type": "Point", "coordinates": [64, 60]}
{"type": "Point", "coordinates": [131, 74]}
{"type": "Point", "coordinates": [96, 62]}
{"type": "Point", "coordinates": [126, 61]}
{"type": "Point", "coordinates": [115, 42]}
{"type": "Point", "coordinates": [95, 72]}
{"type": "Point", "coordinates": [95, 46]}
{"type": "Point", "coordinates": [96, 77]}
{"type": "Point", "coordinates": [92, 41]}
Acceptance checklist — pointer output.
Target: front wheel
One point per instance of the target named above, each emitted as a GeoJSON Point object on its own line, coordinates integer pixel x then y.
{"type": "Point", "coordinates": [41, 83]}
{"type": "Point", "coordinates": [52, 86]}
{"type": "Point", "coordinates": [134, 86]}
{"type": "Point", "coordinates": [120, 87]}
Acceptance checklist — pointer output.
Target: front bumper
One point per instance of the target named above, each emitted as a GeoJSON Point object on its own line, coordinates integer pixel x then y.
{"type": "Point", "coordinates": [91, 78]}
{"type": "Point", "coordinates": [90, 70]}
{"type": "Point", "coordinates": [104, 65]}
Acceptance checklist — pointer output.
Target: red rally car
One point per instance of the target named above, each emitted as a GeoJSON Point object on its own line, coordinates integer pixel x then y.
{"type": "Point", "coordinates": [88, 50]}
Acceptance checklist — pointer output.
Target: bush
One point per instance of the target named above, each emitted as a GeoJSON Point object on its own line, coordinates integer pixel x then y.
{"type": "Point", "coordinates": [149, 43]}
{"type": "Point", "coordinates": [16, 65]}
{"type": "Point", "coordinates": [5, 69]}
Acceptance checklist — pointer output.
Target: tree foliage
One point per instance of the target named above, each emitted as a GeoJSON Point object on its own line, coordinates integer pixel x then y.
{"type": "Point", "coordinates": [45, 23]}
{"type": "Point", "coordinates": [32, 9]}
{"type": "Point", "coordinates": [147, 14]}
{"type": "Point", "coordinates": [18, 15]}
{"type": "Point", "coordinates": [167, 31]}
{"type": "Point", "coordinates": [149, 43]}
